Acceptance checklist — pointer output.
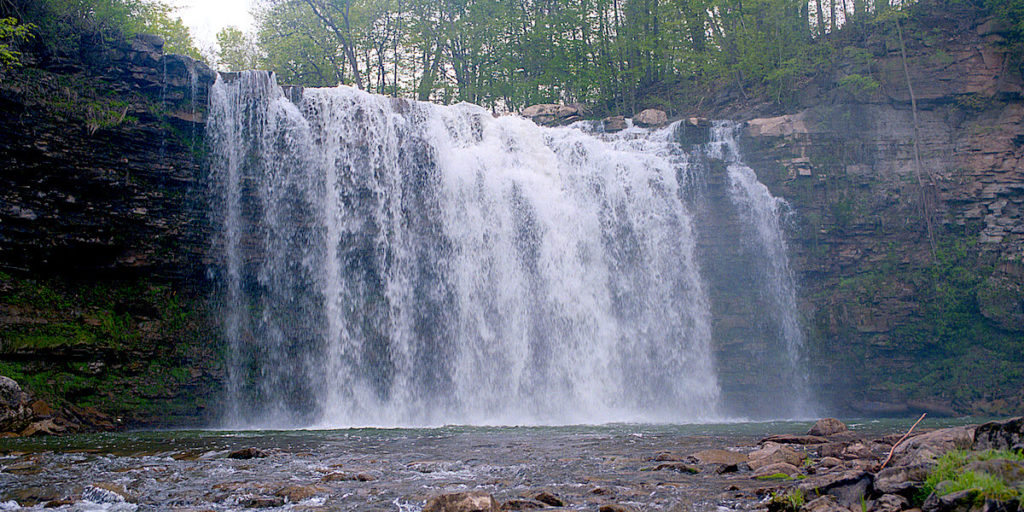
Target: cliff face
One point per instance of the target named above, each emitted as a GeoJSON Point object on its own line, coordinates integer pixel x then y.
{"type": "Point", "coordinates": [898, 322]}
{"type": "Point", "coordinates": [102, 231]}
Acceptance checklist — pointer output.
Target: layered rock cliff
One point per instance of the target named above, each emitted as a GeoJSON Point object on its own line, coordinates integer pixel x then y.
{"type": "Point", "coordinates": [899, 320]}
{"type": "Point", "coordinates": [102, 231]}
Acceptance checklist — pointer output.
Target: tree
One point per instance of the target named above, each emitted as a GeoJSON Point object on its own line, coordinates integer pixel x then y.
{"type": "Point", "coordinates": [236, 50]}
{"type": "Point", "coordinates": [12, 33]}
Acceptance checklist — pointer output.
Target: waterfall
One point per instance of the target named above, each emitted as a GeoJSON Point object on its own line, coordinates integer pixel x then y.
{"type": "Point", "coordinates": [763, 214]}
{"type": "Point", "coordinates": [396, 263]}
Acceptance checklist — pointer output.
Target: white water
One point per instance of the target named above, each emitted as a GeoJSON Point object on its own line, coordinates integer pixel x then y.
{"type": "Point", "coordinates": [393, 263]}
{"type": "Point", "coordinates": [764, 213]}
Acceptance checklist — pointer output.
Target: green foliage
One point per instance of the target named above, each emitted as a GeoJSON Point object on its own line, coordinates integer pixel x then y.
{"type": "Point", "coordinates": [12, 33]}
{"type": "Point", "coordinates": [610, 54]}
{"type": "Point", "coordinates": [791, 501]}
{"type": "Point", "coordinates": [236, 50]}
{"type": "Point", "coordinates": [950, 468]}
{"type": "Point", "coordinates": [858, 85]}
{"type": "Point", "coordinates": [70, 26]}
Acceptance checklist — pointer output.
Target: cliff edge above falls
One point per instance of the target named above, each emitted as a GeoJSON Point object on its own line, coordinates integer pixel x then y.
{"type": "Point", "coordinates": [895, 326]}
{"type": "Point", "coordinates": [102, 232]}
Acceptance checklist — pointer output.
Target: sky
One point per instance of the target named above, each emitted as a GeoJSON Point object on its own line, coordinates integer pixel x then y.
{"type": "Point", "coordinates": [205, 18]}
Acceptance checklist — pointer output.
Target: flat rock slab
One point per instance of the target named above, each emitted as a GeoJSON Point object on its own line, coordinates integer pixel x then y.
{"type": "Point", "coordinates": [794, 439]}
{"type": "Point", "coordinates": [720, 457]}
{"type": "Point", "coordinates": [475, 501]}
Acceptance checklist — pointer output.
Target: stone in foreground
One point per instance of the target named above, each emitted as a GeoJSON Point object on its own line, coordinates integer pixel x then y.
{"type": "Point", "coordinates": [827, 427]}
{"type": "Point", "coordinates": [474, 501]}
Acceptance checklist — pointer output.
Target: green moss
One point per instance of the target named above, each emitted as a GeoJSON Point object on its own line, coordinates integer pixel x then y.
{"type": "Point", "coordinates": [775, 476]}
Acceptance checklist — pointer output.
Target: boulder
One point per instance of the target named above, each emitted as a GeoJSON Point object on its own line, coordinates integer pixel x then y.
{"type": "Point", "coordinates": [247, 453]}
{"type": "Point", "coordinates": [549, 114]}
{"type": "Point", "coordinates": [960, 501]}
{"type": "Point", "coordinates": [522, 504]}
{"type": "Point", "coordinates": [549, 499]}
{"type": "Point", "coordinates": [888, 503]}
{"type": "Point", "coordinates": [829, 462]}
{"type": "Point", "coordinates": [827, 427]}
{"type": "Point", "coordinates": [15, 414]}
{"type": "Point", "coordinates": [999, 435]}
{"type": "Point", "coordinates": [651, 117]}
{"type": "Point", "coordinates": [676, 466]}
{"type": "Point", "coordinates": [775, 469]}
{"type": "Point", "coordinates": [261, 501]}
{"type": "Point", "coordinates": [473, 501]}
{"type": "Point", "coordinates": [614, 507]}
{"type": "Point", "coordinates": [823, 504]}
{"type": "Point", "coordinates": [295, 493]}
{"type": "Point", "coordinates": [927, 447]}
{"type": "Point", "coordinates": [848, 487]}
{"type": "Point", "coordinates": [900, 479]}
{"type": "Point", "coordinates": [719, 457]}
{"type": "Point", "coordinates": [614, 124]}
{"type": "Point", "coordinates": [772, 453]}
{"type": "Point", "coordinates": [857, 451]}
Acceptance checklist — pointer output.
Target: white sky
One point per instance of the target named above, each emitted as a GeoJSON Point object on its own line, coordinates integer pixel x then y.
{"type": "Point", "coordinates": [205, 18]}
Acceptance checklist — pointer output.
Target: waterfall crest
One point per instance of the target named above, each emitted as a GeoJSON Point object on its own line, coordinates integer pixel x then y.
{"type": "Point", "coordinates": [393, 263]}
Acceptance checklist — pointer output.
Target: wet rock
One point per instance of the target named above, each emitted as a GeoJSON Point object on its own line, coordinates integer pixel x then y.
{"type": "Point", "coordinates": [247, 453]}
{"type": "Point", "coordinates": [601, 491]}
{"type": "Point", "coordinates": [614, 124]}
{"type": "Point", "coordinates": [650, 118]}
{"type": "Point", "coordinates": [296, 493]}
{"type": "Point", "coordinates": [45, 427]}
{"type": "Point", "coordinates": [960, 501]}
{"type": "Point", "coordinates": [830, 462]}
{"type": "Point", "coordinates": [41, 409]}
{"type": "Point", "coordinates": [521, 504]}
{"type": "Point", "coordinates": [847, 487]}
{"type": "Point", "coordinates": [857, 451]}
{"type": "Point", "coordinates": [58, 503]}
{"type": "Point", "coordinates": [262, 501]}
{"type": "Point", "coordinates": [827, 427]}
{"type": "Point", "coordinates": [1000, 435]}
{"type": "Point", "coordinates": [107, 492]}
{"type": "Point", "coordinates": [899, 479]}
{"type": "Point", "coordinates": [338, 477]}
{"type": "Point", "coordinates": [823, 504]}
{"type": "Point", "coordinates": [926, 447]}
{"type": "Point", "coordinates": [888, 503]}
{"type": "Point", "coordinates": [675, 466]}
{"type": "Point", "coordinates": [474, 501]}
{"type": "Point", "coordinates": [552, 115]}
{"type": "Point", "coordinates": [719, 457]}
{"type": "Point", "coordinates": [1009, 471]}
{"type": "Point", "coordinates": [14, 414]}
{"type": "Point", "coordinates": [365, 477]}
{"type": "Point", "coordinates": [614, 507]}
{"type": "Point", "coordinates": [794, 439]}
{"type": "Point", "coordinates": [32, 496]}
{"type": "Point", "coordinates": [724, 469]}
{"type": "Point", "coordinates": [777, 468]}
{"type": "Point", "coordinates": [549, 499]}
{"type": "Point", "coordinates": [832, 450]}
{"type": "Point", "coordinates": [772, 453]}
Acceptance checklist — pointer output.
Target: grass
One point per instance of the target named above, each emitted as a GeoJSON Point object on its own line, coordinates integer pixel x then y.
{"type": "Point", "coordinates": [789, 502]}
{"type": "Point", "coordinates": [949, 468]}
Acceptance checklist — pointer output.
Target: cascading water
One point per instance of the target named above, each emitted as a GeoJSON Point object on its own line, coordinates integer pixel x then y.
{"type": "Point", "coordinates": [763, 214]}
{"type": "Point", "coordinates": [387, 262]}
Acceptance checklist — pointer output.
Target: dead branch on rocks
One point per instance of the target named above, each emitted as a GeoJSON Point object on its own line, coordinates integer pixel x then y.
{"type": "Point", "coordinates": [904, 438]}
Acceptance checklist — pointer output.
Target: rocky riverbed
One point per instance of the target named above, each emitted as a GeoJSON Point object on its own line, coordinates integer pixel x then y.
{"type": "Point", "coordinates": [608, 468]}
